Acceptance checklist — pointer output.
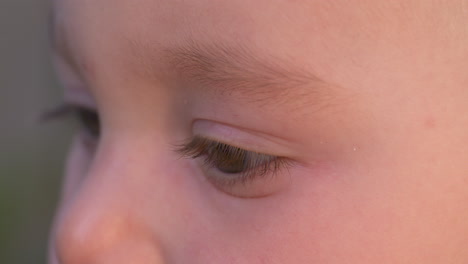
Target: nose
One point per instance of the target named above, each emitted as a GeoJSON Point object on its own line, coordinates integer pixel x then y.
{"type": "Point", "coordinates": [100, 226]}
{"type": "Point", "coordinates": [107, 238]}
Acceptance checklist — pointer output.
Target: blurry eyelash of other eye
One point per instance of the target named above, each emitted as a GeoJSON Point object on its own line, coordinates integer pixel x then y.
{"type": "Point", "coordinates": [58, 112]}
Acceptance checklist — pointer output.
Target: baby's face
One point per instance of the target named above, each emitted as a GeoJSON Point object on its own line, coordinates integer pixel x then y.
{"type": "Point", "coordinates": [264, 131]}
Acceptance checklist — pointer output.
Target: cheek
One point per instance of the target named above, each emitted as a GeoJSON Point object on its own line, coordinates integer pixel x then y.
{"type": "Point", "coordinates": [362, 216]}
{"type": "Point", "coordinates": [382, 206]}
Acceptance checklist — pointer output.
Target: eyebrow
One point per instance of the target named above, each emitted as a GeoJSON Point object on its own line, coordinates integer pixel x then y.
{"type": "Point", "coordinates": [240, 71]}
{"type": "Point", "coordinates": [233, 70]}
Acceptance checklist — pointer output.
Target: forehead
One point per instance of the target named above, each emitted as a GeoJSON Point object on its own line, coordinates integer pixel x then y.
{"type": "Point", "coordinates": [280, 25]}
{"type": "Point", "coordinates": [321, 36]}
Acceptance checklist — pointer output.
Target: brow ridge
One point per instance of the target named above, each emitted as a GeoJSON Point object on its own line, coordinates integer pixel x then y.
{"type": "Point", "coordinates": [239, 71]}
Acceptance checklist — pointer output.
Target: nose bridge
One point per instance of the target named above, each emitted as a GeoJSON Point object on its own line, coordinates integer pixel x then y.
{"type": "Point", "coordinates": [99, 224]}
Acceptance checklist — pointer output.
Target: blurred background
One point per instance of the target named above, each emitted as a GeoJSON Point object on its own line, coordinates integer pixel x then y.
{"type": "Point", "coordinates": [31, 153]}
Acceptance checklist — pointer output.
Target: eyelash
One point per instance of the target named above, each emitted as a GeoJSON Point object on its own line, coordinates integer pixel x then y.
{"type": "Point", "coordinates": [217, 154]}
{"type": "Point", "coordinates": [245, 165]}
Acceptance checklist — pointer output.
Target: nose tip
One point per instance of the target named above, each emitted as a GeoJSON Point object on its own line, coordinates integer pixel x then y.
{"type": "Point", "coordinates": [104, 237]}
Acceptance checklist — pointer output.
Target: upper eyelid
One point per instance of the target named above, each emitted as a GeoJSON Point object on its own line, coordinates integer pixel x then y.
{"type": "Point", "coordinates": [79, 97]}
{"type": "Point", "coordinates": [246, 137]}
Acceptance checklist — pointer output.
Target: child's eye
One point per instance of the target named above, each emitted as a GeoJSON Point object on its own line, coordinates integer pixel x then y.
{"type": "Point", "coordinates": [228, 166]}
{"type": "Point", "coordinates": [88, 119]}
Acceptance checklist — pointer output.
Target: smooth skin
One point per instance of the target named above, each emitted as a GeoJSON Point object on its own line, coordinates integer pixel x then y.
{"type": "Point", "coordinates": [367, 100]}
